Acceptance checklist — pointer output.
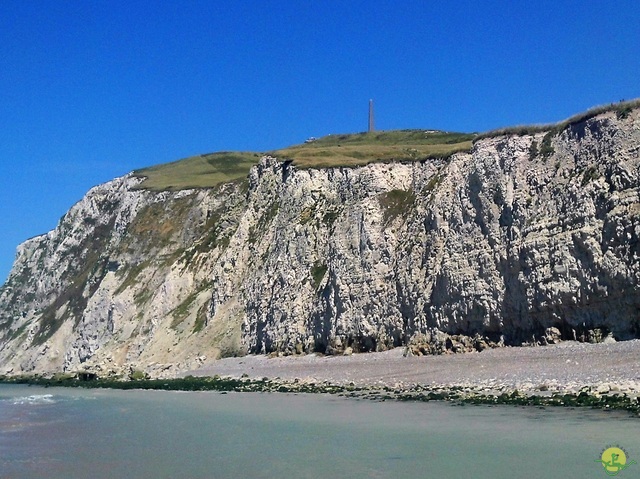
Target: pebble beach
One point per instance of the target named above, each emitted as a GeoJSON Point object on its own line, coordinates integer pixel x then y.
{"type": "Point", "coordinates": [568, 367]}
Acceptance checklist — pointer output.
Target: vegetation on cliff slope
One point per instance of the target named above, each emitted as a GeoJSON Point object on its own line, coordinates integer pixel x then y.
{"type": "Point", "coordinates": [331, 151]}
{"type": "Point", "coordinates": [210, 170]}
{"type": "Point", "coordinates": [621, 109]}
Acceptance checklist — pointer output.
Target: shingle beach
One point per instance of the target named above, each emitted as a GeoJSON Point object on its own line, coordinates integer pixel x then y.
{"type": "Point", "coordinates": [566, 367]}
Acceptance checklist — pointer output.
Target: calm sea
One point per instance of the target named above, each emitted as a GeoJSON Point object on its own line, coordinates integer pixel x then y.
{"type": "Point", "coordinates": [73, 433]}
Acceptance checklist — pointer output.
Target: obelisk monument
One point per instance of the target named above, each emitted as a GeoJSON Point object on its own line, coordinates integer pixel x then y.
{"type": "Point", "coordinates": [371, 125]}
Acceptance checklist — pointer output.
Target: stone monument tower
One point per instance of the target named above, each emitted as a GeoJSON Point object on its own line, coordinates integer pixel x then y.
{"type": "Point", "coordinates": [371, 125]}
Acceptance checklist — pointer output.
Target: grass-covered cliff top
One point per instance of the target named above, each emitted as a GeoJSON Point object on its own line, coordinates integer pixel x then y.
{"type": "Point", "coordinates": [621, 110]}
{"type": "Point", "coordinates": [202, 171]}
{"type": "Point", "coordinates": [205, 171]}
{"type": "Point", "coordinates": [210, 170]}
{"type": "Point", "coordinates": [362, 148]}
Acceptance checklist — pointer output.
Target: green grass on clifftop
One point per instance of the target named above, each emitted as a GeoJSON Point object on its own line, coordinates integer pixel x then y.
{"type": "Point", "coordinates": [332, 151]}
{"type": "Point", "coordinates": [622, 110]}
{"type": "Point", "coordinates": [202, 171]}
{"type": "Point", "coordinates": [363, 148]}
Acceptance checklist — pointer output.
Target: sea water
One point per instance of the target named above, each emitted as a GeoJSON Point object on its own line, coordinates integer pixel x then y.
{"type": "Point", "coordinates": [77, 433]}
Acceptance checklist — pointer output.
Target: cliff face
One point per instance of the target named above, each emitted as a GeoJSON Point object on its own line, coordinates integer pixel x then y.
{"type": "Point", "coordinates": [522, 234]}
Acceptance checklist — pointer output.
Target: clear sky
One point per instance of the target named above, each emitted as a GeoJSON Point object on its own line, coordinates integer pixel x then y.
{"type": "Point", "coordinates": [90, 90]}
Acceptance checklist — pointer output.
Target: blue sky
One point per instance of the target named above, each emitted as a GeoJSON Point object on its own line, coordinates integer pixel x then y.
{"type": "Point", "coordinates": [91, 90]}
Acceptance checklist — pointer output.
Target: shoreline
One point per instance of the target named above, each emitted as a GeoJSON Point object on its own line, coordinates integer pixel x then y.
{"type": "Point", "coordinates": [567, 367]}
{"type": "Point", "coordinates": [455, 395]}
{"type": "Point", "coordinates": [604, 376]}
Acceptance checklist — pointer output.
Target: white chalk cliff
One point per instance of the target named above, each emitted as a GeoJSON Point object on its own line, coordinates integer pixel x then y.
{"type": "Point", "coordinates": [526, 238]}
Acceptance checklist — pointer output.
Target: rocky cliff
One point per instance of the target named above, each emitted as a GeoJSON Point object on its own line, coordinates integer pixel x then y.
{"type": "Point", "coordinates": [526, 238]}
